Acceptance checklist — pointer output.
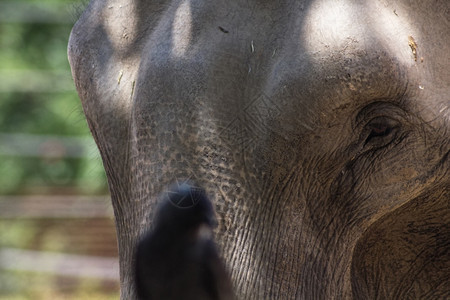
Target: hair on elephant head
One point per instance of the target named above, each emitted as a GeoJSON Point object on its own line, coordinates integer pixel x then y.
{"type": "Point", "coordinates": [178, 259]}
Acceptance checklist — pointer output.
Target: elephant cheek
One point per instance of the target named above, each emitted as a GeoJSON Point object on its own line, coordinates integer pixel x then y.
{"type": "Point", "coordinates": [402, 255]}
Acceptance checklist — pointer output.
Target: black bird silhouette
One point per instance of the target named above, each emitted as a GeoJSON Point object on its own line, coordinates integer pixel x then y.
{"type": "Point", "coordinates": [178, 259]}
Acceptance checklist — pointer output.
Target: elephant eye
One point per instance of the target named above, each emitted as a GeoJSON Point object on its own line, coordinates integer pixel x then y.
{"type": "Point", "coordinates": [380, 131]}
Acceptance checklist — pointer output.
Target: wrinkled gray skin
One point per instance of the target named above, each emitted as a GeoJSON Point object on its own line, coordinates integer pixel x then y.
{"type": "Point", "coordinates": [319, 128]}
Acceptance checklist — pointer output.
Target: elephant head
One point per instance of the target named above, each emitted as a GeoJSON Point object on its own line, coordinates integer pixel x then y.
{"type": "Point", "coordinates": [320, 130]}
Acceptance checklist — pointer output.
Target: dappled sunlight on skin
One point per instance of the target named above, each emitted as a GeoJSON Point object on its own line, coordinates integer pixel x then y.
{"type": "Point", "coordinates": [342, 25]}
{"type": "Point", "coordinates": [393, 25]}
{"type": "Point", "coordinates": [330, 25]}
{"type": "Point", "coordinates": [123, 29]}
{"type": "Point", "coordinates": [116, 68]}
{"type": "Point", "coordinates": [182, 29]}
{"type": "Point", "coordinates": [292, 116]}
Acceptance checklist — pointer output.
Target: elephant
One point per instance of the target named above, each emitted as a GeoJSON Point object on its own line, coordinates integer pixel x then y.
{"type": "Point", "coordinates": [319, 130]}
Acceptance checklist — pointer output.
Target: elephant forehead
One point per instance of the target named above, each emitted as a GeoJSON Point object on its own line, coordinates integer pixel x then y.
{"type": "Point", "coordinates": [299, 57]}
{"type": "Point", "coordinates": [309, 52]}
{"type": "Point", "coordinates": [320, 26]}
{"type": "Point", "coordinates": [336, 25]}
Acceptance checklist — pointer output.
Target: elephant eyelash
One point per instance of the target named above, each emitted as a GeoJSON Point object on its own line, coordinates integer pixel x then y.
{"type": "Point", "coordinates": [380, 131]}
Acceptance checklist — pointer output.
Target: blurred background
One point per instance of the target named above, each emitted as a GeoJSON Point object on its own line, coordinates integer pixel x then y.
{"type": "Point", "coordinates": [57, 235]}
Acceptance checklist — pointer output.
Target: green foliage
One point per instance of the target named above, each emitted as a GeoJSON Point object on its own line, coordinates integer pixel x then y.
{"type": "Point", "coordinates": [45, 145]}
{"type": "Point", "coordinates": [38, 98]}
{"type": "Point", "coordinates": [45, 148]}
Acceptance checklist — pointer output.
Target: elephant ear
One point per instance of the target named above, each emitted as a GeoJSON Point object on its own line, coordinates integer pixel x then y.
{"type": "Point", "coordinates": [178, 259]}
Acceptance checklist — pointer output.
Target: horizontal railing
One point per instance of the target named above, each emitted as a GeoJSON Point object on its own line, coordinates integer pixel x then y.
{"type": "Point", "coordinates": [59, 264]}
{"type": "Point", "coordinates": [55, 207]}
{"type": "Point", "coordinates": [38, 12]}
{"type": "Point", "coordinates": [47, 146]}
